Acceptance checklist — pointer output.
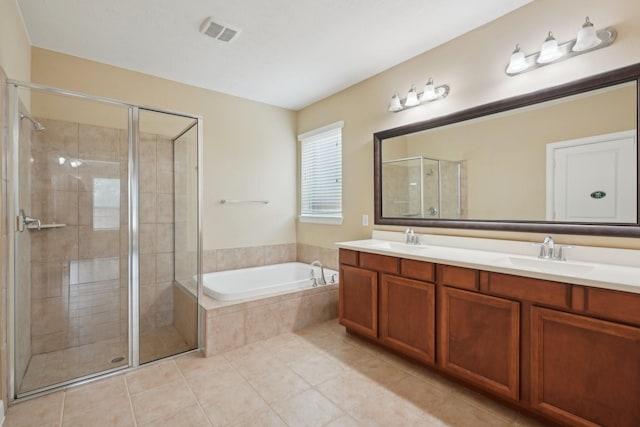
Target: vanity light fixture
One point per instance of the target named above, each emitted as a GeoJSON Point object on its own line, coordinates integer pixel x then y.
{"type": "Point", "coordinates": [587, 40]}
{"type": "Point", "coordinates": [430, 93]}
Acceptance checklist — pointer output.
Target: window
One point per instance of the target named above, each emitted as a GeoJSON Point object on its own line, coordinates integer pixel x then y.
{"type": "Point", "coordinates": [106, 204]}
{"type": "Point", "coordinates": [321, 175]}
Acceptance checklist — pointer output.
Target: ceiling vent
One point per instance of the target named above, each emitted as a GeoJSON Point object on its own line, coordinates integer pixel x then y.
{"type": "Point", "coordinates": [218, 30]}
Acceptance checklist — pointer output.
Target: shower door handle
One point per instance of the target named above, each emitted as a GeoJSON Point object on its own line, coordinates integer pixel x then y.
{"type": "Point", "coordinates": [23, 221]}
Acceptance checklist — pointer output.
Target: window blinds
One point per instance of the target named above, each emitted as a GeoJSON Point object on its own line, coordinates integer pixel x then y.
{"type": "Point", "coordinates": [321, 172]}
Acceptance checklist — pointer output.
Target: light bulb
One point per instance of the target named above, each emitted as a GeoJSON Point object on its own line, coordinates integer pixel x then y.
{"type": "Point", "coordinates": [395, 104]}
{"type": "Point", "coordinates": [429, 93]}
{"type": "Point", "coordinates": [412, 97]}
{"type": "Point", "coordinates": [517, 63]}
{"type": "Point", "coordinates": [549, 51]}
{"type": "Point", "coordinates": [587, 37]}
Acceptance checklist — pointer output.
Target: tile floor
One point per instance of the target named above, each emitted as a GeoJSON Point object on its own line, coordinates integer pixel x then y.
{"type": "Point", "coordinates": [318, 376]}
{"type": "Point", "coordinates": [63, 365]}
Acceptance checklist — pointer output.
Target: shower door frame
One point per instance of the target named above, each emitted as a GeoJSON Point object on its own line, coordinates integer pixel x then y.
{"type": "Point", "coordinates": [11, 212]}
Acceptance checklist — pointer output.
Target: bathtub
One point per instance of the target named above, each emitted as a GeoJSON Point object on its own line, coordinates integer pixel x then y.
{"type": "Point", "coordinates": [255, 282]}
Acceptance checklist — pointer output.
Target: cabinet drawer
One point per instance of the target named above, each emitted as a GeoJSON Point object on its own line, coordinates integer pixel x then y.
{"type": "Point", "coordinates": [615, 305]}
{"type": "Point", "coordinates": [528, 289]}
{"type": "Point", "coordinates": [417, 269]}
{"type": "Point", "coordinates": [460, 277]}
{"type": "Point", "coordinates": [348, 257]}
{"type": "Point", "coordinates": [383, 263]}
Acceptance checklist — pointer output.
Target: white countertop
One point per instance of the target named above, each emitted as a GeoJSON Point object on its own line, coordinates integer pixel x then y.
{"type": "Point", "coordinates": [608, 268]}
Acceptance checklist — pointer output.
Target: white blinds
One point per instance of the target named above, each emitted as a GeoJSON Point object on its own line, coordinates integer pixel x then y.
{"type": "Point", "coordinates": [321, 172]}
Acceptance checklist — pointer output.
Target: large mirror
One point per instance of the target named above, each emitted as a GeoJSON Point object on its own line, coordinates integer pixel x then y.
{"type": "Point", "coordinates": [562, 160]}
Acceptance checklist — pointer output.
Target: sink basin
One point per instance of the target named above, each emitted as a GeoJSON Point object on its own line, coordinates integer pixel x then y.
{"type": "Point", "coordinates": [549, 266]}
{"type": "Point", "coordinates": [400, 247]}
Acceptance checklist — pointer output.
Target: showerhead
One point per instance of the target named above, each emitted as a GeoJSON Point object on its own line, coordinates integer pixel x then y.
{"type": "Point", "coordinates": [37, 126]}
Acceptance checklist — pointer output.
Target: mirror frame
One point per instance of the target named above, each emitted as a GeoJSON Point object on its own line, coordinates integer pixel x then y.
{"type": "Point", "coordinates": [599, 81]}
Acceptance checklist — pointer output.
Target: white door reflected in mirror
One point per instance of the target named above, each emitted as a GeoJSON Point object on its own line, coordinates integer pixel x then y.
{"type": "Point", "coordinates": [592, 179]}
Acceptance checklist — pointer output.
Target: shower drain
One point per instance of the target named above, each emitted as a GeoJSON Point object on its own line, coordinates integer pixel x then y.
{"type": "Point", "coordinates": [117, 359]}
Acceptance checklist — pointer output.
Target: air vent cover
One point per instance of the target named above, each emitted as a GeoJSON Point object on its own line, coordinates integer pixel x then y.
{"type": "Point", "coordinates": [218, 30]}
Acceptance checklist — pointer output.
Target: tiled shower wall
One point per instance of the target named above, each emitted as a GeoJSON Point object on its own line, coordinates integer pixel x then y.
{"type": "Point", "coordinates": [156, 231]}
{"type": "Point", "coordinates": [79, 271]}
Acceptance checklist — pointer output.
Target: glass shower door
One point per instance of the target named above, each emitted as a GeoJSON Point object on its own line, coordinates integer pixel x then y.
{"type": "Point", "coordinates": [71, 248]}
{"type": "Point", "coordinates": [168, 234]}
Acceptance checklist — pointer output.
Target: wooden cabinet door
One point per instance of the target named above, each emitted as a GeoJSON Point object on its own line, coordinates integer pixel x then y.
{"type": "Point", "coordinates": [479, 340]}
{"type": "Point", "coordinates": [585, 371]}
{"type": "Point", "coordinates": [407, 316]}
{"type": "Point", "coordinates": [358, 300]}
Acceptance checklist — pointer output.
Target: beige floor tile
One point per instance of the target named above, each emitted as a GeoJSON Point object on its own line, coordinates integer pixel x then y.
{"type": "Point", "coordinates": [161, 402]}
{"type": "Point", "coordinates": [234, 404]}
{"type": "Point", "coordinates": [391, 411]}
{"type": "Point", "coordinates": [454, 412]}
{"type": "Point", "coordinates": [278, 384]}
{"type": "Point", "coordinates": [317, 376]}
{"type": "Point", "coordinates": [307, 409]}
{"type": "Point", "coordinates": [525, 421]}
{"type": "Point", "coordinates": [152, 376]}
{"type": "Point", "coordinates": [102, 416]}
{"type": "Point", "coordinates": [256, 363]}
{"type": "Point", "coordinates": [379, 370]}
{"type": "Point", "coordinates": [266, 418]}
{"type": "Point", "coordinates": [195, 364]}
{"type": "Point", "coordinates": [190, 416]}
{"type": "Point", "coordinates": [110, 391]}
{"type": "Point", "coordinates": [351, 390]}
{"type": "Point", "coordinates": [41, 411]}
{"type": "Point", "coordinates": [318, 369]}
{"type": "Point", "coordinates": [344, 421]}
{"type": "Point", "coordinates": [420, 393]}
{"type": "Point", "coordinates": [483, 402]}
{"type": "Point", "coordinates": [208, 389]}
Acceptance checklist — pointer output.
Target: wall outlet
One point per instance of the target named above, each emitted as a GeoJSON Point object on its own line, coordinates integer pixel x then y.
{"type": "Point", "coordinates": [365, 220]}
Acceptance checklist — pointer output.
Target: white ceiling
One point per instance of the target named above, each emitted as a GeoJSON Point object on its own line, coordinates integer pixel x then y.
{"type": "Point", "coordinates": [290, 53]}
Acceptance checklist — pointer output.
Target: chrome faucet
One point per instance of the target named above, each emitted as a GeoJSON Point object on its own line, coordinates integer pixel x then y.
{"type": "Point", "coordinates": [412, 238]}
{"type": "Point", "coordinates": [320, 280]}
{"type": "Point", "coordinates": [549, 250]}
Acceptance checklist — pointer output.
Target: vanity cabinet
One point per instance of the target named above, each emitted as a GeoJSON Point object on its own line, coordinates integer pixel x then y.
{"type": "Point", "coordinates": [479, 340]}
{"type": "Point", "coordinates": [585, 371]}
{"type": "Point", "coordinates": [358, 300]}
{"type": "Point", "coordinates": [391, 300]}
{"type": "Point", "coordinates": [568, 353]}
{"type": "Point", "coordinates": [407, 316]}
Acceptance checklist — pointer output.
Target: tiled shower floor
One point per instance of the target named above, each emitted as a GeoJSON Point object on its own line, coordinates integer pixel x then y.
{"type": "Point", "coordinates": [318, 376]}
{"type": "Point", "coordinates": [64, 365]}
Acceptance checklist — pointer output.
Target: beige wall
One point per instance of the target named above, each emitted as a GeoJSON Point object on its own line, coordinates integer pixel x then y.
{"type": "Point", "coordinates": [473, 65]}
{"type": "Point", "coordinates": [15, 63]}
{"type": "Point", "coordinates": [249, 147]}
{"type": "Point", "coordinates": [15, 54]}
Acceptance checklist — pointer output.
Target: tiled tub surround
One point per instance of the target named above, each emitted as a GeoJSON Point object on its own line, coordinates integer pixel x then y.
{"type": "Point", "coordinates": [230, 325]}
{"type": "Point", "coordinates": [254, 256]}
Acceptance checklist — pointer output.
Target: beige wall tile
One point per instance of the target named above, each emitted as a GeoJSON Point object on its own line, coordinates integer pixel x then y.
{"type": "Point", "coordinates": [98, 143]}
{"type": "Point", "coordinates": [228, 331]}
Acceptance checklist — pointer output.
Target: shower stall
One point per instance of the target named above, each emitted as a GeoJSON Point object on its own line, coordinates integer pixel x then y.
{"type": "Point", "coordinates": [104, 259]}
{"type": "Point", "coordinates": [419, 187]}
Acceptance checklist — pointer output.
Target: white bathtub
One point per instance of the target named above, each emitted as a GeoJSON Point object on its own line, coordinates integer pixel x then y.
{"type": "Point", "coordinates": [259, 281]}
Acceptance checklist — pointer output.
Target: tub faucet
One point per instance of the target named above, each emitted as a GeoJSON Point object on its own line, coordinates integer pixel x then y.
{"type": "Point", "coordinates": [321, 280]}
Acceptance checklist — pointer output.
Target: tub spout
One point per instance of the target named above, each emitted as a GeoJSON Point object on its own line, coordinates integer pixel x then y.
{"type": "Point", "coordinates": [321, 280]}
